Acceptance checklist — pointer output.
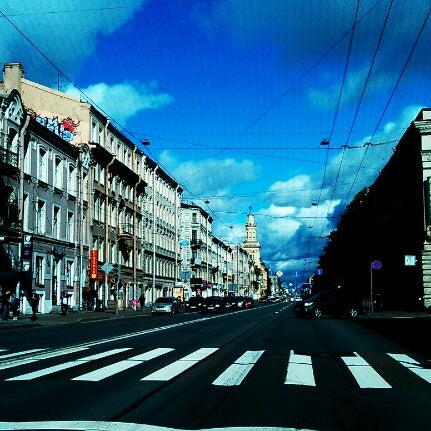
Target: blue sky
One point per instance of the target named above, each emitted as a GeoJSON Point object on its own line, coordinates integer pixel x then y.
{"type": "Point", "coordinates": [236, 96]}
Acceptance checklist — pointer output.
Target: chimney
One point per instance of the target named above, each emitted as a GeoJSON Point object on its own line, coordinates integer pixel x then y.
{"type": "Point", "coordinates": [12, 75]}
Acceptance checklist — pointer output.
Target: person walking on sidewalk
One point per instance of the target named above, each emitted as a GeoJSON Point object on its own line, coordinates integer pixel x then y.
{"type": "Point", "coordinates": [5, 305]}
{"type": "Point", "coordinates": [34, 302]}
{"type": "Point", "coordinates": [63, 301]}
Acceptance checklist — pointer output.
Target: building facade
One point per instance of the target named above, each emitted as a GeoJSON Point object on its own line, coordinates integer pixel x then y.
{"type": "Point", "coordinates": [120, 208]}
{"type": "Point", "coordinates": [88, 212]}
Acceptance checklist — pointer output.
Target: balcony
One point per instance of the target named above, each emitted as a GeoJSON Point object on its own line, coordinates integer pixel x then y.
{"type": "Point", "coordinates": [125, 230]}
{"type": "Point", "coordinates": [195, 262]}
{"type": "Point", "coordinates": [196, 243]}
{"type": "Point", "coordinates": [9, 161]}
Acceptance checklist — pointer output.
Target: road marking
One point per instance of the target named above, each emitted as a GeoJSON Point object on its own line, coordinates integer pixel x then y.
{"type": "Point", "coordinates": [365, 375]}
{"type": "Point", "coordinates": [110, 370]}
{"type": "Point", "coordinates": [23, 361]}
{"type": "Point", "coordinates": [24, 352]}
{"type": "Point", "coordinates": [414, 366]}
{"type": "Point", "coordinates": [236, 373]}
{"type": "Point", "coordinates": [66, 365]}
{"type": "Point", "coordinates": [299, 370]}
{"type": "Point", "coordinates": [183, 364]}
{"type": "Point", "coordinates": [116, 426]}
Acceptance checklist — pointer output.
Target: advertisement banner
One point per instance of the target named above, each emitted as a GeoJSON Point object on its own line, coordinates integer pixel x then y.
{"type": "Point", "coordinates": [94, 259]}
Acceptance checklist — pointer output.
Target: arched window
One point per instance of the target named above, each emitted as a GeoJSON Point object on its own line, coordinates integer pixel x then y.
{"type": "Point", "coordinates": [42, 165]}
{"type": "Point", "coordinates": [58, 173]}
{"type": "Point", "coordinates": [71, 180]}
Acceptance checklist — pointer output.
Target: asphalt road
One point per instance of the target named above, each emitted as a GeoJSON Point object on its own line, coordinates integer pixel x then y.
{"type": "Point", "coordinates": [254, 368]}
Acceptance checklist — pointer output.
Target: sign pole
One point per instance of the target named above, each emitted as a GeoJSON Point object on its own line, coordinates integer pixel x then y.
{"type": "Point", "coordinates": [371, 288]}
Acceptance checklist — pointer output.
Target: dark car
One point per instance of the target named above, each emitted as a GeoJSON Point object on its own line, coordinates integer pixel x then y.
{"type": "Point", "coordinates": [329, 302]}
{"type": "Point", "coordinates": [248, 302]}
{"type": "Point", "coordinates": [234, 302]}
{"type": "Point", "coordinates": [213, 304]}
{"type": "Point", "coordinates": [230, 302]}
{"type": "Point", "coordinates": [193, 303]}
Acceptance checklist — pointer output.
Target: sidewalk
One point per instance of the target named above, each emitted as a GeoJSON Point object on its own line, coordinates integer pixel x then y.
{"type": "Point", "coordinates": [56, 318]}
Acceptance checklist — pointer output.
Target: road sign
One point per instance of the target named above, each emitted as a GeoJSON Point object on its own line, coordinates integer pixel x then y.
{"type": "Point", "coordinates": [409, 260]}
{"type": "Point", "coordinates": [107, 267]}
{"type": "Point", "coordinates": [376, 264]}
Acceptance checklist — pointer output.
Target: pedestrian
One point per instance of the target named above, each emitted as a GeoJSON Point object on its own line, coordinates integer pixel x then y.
{"type": "Point", "coordinates": [14, 307]}
{"type": "Point", "coordinates": [64, 302]}
{"type": "Point", "coordinates": [34, 302]}
{"type": "Point", "coordinates": [5, 305]}
{"type": "Point", "coordinates": [142, 301]}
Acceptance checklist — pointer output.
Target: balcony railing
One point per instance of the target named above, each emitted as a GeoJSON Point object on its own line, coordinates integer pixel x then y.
{"type": "Point", "coordinates": [125, 229]}
{"type": "Point", "coordinates": [8, 157]}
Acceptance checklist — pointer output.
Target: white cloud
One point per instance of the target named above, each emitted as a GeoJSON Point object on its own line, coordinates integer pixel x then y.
{"type": "Point", "coordinates": [216, 177]}
{"type": "Point", "coordinates": [125, 100]}
{"type": "Point", "coordinates": [66, 32]}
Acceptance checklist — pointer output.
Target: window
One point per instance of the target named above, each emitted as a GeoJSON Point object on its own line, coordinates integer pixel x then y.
{"type": "Point", "coordinates": [42, 165]}
{"type": "Point", "coordinates": [56, 223]}
{"type": "Point", "coordinates": [71, 180]}
{"type": "Point", "coordinates": [58, 173]}
{"type": "Point", "coordinates": [70, 227]}
{"type": "Point", "coordinates": [41, 217]}
{"type": "Point", "coordinates": [69, 273]}
{"type": "Point", "coordinates": [39, 267]}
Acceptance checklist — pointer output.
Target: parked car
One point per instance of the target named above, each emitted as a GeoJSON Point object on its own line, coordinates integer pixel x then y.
{"type": "Point", "coordinates": [230, 302]}
{"type": "Point", "coordinates": [248, 302]}
{"type": "Point", "coordinates": [165, 304]}
{"type": "Point", "coordinates": [234, 302]}
{"type": "Point", "coordinates": [329, 302]}
{"type": "Point", "coordinates": [193, 303]}
{"type": "Point", "coordinates": [213, 304]}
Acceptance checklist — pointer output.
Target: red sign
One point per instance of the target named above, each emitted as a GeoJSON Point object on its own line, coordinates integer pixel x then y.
{"type": "Point", "coordinates": [94, 260]}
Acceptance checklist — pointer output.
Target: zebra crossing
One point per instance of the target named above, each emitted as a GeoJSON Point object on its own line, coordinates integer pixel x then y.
{"type": "Point", "coordinates": [299, 369]}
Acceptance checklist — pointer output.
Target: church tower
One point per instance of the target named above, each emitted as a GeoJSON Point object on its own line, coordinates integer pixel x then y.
{"type": "Point", "coordinates": [251, 245]}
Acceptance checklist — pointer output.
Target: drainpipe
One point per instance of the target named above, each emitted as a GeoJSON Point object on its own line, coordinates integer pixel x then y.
{"type": "Point", "coordinates": [135, 261]}
{"type": "Point", "coordinates": [20, 143]}
{"type": "Point", "coordinates": [105, 243]}
{"type": "Point", "coordinates": [153, 288]}
{"type": "Point", "coordinates": [176, 248]}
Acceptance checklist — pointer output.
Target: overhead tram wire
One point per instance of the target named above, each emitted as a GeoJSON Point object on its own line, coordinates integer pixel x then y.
{"type": "Point", "coordinates": [337, 110]}
{"type": "Point", "coordinates": [59, 71]}
{"type": "Point", "coordinates": [360, 102]}
{"type": "Point", "coordinates": [402, 71]}
{"type": "Point", "coordinates": [394, 89]}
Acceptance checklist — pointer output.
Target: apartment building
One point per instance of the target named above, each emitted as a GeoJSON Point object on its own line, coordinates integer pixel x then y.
{"type": "Point", "coordinates": [119, 209]}
{"type": "Point", "coordinates": [87, 211]}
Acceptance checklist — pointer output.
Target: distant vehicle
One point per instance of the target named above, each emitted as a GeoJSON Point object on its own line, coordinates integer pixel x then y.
{"type": "Point", "coordinates": [165, 304]}
{"type": "Point", "coordinates": [193, 303]}
{"type": "Point", "coordinates": [248, 302]}
{"type": "Point", "coordinates": [231, 302]}
{"type": "Point", "coordinates": [328, 302]}
{"type": "Point", "coordinates": [213, 304]}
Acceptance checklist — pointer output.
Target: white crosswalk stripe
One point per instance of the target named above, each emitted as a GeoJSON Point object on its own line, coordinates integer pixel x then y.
{"type": "Point", "coordinates": [236, 373]}
{"type": "Point", "coordinates": [178, 367]}
{"type": "Point", "coordinates": [109, 370]}
{"type": "Point", "coordinates": [66, 365]}
{"type": "Point", "coordinates": [300, 366]}
{"type": "Point", "coordinates": [365, 375]}
{"type": "Point", "coordinates": [299, 370]}
{"type": "Point", "coordinates": [413, 366]}
{"type": "Point", "coordinates": [18, 361]}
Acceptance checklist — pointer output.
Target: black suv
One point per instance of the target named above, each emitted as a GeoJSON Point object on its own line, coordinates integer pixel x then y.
{"type": "Point", "coordinates": [193, 303]}
{"type": "Point", "coordinates": [329, 302]}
